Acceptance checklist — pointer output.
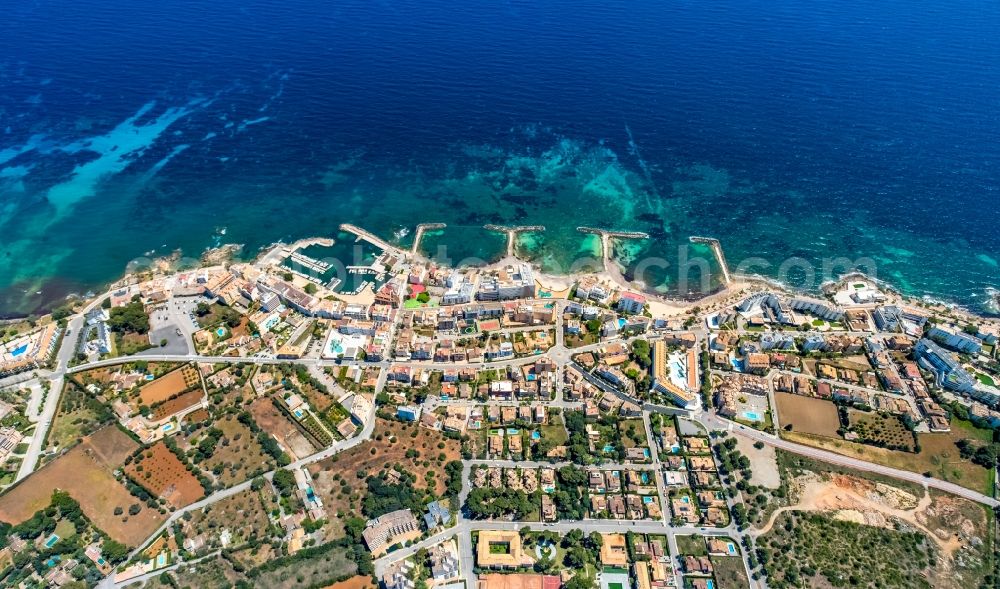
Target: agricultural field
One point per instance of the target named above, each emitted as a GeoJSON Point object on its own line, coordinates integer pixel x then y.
{"type": "Point", "coordinates": [177, 404]}
{"type": "Point", "coordinates": [159, 471]}
{"type": "Point", "coordinates": [730, 573]}
{"type": "Point", "coordinates": [173, 383]}
{"type": "Point", "coordinates": [85, 472]}
{"type": "Point", "coordinates": [414, 448]}
{"type": "Point", "coordinates": [885, 431]}
{"type": "Point", "coordinates": [79, 415]}
{"type": "Point", "coordinates": [807, 415]}
{"type": "Point", "coordinates": [273, 421]}
{"type": "Point", "coordinates": [938, 455]}
{"type": "Point", "coordinates": [237, 454]}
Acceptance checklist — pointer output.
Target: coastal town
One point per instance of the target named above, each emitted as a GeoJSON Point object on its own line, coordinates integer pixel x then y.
{"type": "Point", "coordinates": [342, 412]}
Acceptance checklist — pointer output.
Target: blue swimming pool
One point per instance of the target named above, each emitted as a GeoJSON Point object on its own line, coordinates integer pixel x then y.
{"type": "Point", "coordinates": [752, 416]}
{"type": "Point", "coordinates": [220, 331]}
{"type": "Point", "coordinates": [51, 541]}
{"type": "Point", "coordinates": [19, 351]}
{"type": "Point", "coordinates": [513, 431]}
{"type": "Point", "coordinates": [647, 500]}
{"type": "Point", "coordinates": [536, 435]}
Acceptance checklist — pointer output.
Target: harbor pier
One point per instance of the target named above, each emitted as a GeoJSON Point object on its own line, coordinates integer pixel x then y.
{"type": "Point", "coordinates": [719, 255]}
{"type": "Point", "coordinates": [421, 229]}
{"type": "Point", "coordinates": [511, 232]}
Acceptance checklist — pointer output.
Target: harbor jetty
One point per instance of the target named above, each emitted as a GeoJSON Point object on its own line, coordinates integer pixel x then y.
{"type": "Point", "coordinates": [421, 229]}
{"type": "Point", "coordinates": [606, 237]}
{"type": "Point", "coordinates": [367, 236]}
{"type": "Point", "coordinates": [719, 255]}
{"type": "Point", "coordinates": [511, 232]}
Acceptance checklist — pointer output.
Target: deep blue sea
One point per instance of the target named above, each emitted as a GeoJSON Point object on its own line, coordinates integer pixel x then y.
{"type": "Point", "coordinates": [791, 130]}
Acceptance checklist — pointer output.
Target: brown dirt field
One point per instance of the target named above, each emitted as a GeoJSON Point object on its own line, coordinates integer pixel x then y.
{"type": "Point", "coordinates": [112, 445]}
{"type": "Point", "coordinates": [164, 475]}
{"type": "Point", "coordinates": [197, 416]}
{"type": "Point", "coordinates": [358, 582]}
{"type": "Point", "coordinates": [85, 474]}
{"type": "Point", "coordinates": [169, 385]}
{"type": "Point", "coordinates": [271, 420]}
{"type": "Point", "coordinates": [240, 457]}
{"type": "Point", "coordinates": [807, 415]}
{"type": "Point", "coordinates": [360, 458]}
{"type": "Point", "coordinates": [176, 405]}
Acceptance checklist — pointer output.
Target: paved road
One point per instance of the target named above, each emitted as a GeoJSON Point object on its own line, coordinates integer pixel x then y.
{"type": "Point", "coordinates": [48, 412]}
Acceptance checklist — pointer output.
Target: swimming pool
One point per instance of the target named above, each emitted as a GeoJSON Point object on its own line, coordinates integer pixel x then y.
{"type": "Point", "coordinates": [167, 427]}
{"type": "Point", "coordinates": [536, 435]}
{"type": "Point", "coordinates": [51, 541]}
{"type": "Point", "coordinates": [752, 416]}
{"type": "Point", "coordinates": [647, 500]}
{"type": "Point", "coordinates": [150, 377]}
{"type": "Point", "coordinates": [271, 321]}
{"type": "Point", "coordinates": [513, 431]}
{"type": "Point", "coordinates": [221, 332]}
{"type": "Point", "coordinates": [298, 413]}
{"type": "Point", "coordinates": [685, 499]}
{"type": "Point", "coordinates": [19, 351]}
{"type": "Point", "coordinates": [609, 448]}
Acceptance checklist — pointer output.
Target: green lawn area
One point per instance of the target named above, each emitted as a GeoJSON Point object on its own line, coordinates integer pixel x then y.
{"type": "Point", "coordinates": [633, 433]}
{"type": "Point", "coordinates": [500, 548]}
{"type": "Point", "coordinates": [691, 546]}
{"type": "Point", "coordinates": [555, 431]}
{"type": "Point", "coordinates": [818, 323]}
{"type": "Point", "coordinates": [985, 379]}
{"type": "Point", "coordinates": [730, 572]}
{"type": "Point", "coordinates": [938, 455]}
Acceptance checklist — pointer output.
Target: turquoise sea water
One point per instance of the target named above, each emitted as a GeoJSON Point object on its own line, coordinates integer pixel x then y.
{"type": "Point", "coordinates": [795, 132]}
